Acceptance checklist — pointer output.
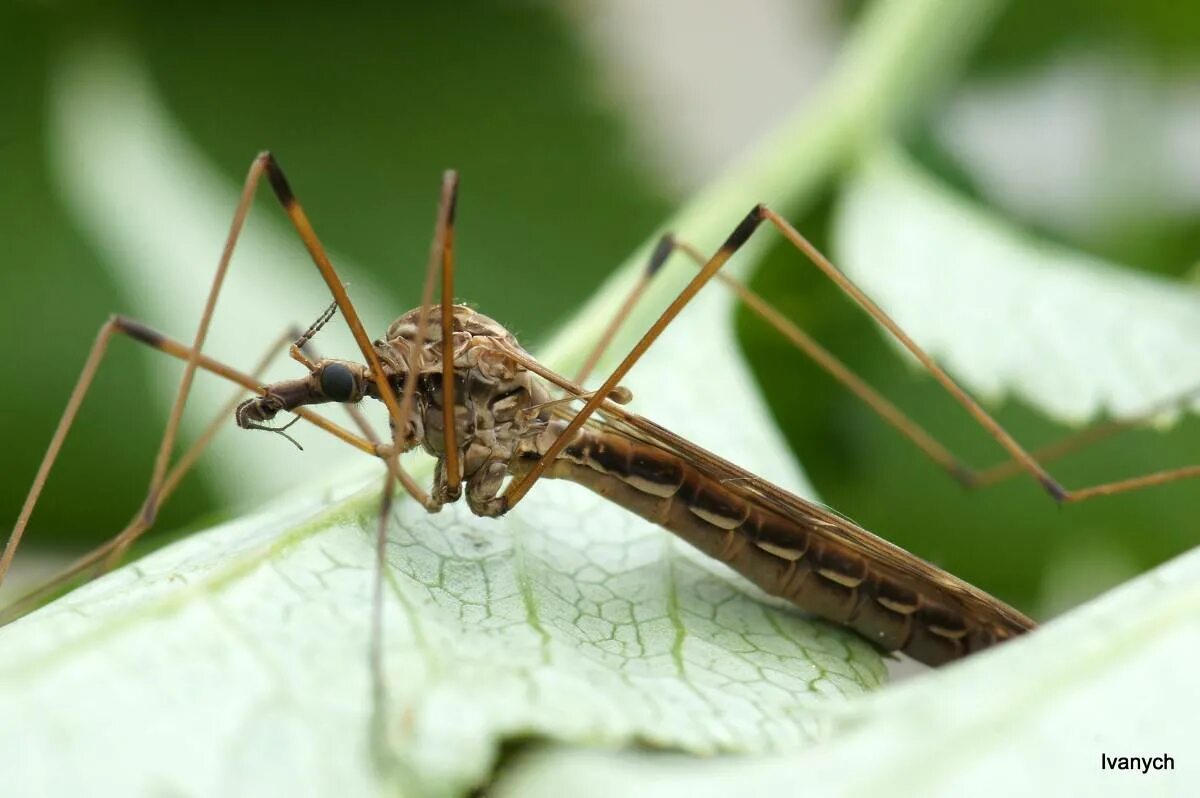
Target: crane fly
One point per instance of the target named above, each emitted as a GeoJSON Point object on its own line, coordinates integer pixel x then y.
{"type": "Point", "coordinates": [459, 385]}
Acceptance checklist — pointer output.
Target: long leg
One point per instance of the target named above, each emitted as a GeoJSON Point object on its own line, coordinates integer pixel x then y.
{"type": "Point", "coordinates": [156, 340]}
{"type": "Point", "coordinates": [265, 163]}
{"type": "Point", "coordinates": [901, 421]}
{"type": "Point", "coordinates": [518, 488]}
{"type": "Point", "coordinates": [441, 259]}
{"type": "Point", "coordinates": [124, 539]}
{"type": "Point", "coordinates": [1076, 441]}
{"type": "Point", "coordinates": [379, 702]}
{"type": "Point", "coordinates": [801, 340]}
{"type": "Point", "coordinates": [107, 553]}
{"type": "Point", "coordinates": [1026, 460]}
{"type": "Point", "coordinates": [658, 257]}
{"type": "Point", "coordinates": [445, 233]}
{"type": "Point", "coordinates": [711, 266]}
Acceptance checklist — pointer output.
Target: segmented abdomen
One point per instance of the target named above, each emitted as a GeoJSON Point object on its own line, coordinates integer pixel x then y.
{"type": "Point", "coordinates": [798, 559]}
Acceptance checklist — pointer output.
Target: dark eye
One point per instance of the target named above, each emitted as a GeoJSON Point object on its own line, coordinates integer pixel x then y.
{"type": "Point", "coordinates": [337, 383]}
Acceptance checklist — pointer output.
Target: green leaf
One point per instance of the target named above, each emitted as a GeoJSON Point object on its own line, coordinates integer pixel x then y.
{"type": "Point", "coordinates": [1071, 334]}
{"type": "Point", "coordinates": [109, 123]}
{"type": "Point", "coordinates": [1032, 717]}
{"type": "Point", "coordinates": [364, 111]}
{"type": "Point", "coordinates": [1030, 32]}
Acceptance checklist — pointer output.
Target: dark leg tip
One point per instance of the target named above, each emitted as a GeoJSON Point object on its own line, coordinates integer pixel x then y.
{"type": "Point", "coordinates": [138, 331]}
{"type": "Point", "coordinates": [450, 185]}
{"type": "Point", "coordinates": [1056, 491]}
{"type": "Point", "coordinates": [965, 476]}
{"type": "Point", "coordinates": [666, 245]}
{"type": "Point", "coordinates": [279, 183]}
{"type": "Point", "coordinates": [744, 229]}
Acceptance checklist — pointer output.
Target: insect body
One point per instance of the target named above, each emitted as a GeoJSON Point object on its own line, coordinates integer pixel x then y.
{"type": "Point", "coordinates": [458, 384]}
{"type": "Point", "coordinates": [494, 426]}
{"type": "Point", "coordinates": [791, 548]}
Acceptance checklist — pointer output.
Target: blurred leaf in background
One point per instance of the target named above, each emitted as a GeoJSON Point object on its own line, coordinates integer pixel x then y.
{"type": "Point", "coordinates": [1077, 123]}
{"type": "Point", "coordinates": [365, 110]}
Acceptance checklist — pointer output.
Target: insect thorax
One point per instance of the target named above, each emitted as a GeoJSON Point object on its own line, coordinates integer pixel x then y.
{"type": "Point", "coordinates": [493, 395]}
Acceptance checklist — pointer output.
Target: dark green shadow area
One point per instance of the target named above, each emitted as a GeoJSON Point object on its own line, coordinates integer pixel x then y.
{"type": "Point", "coordinates": [1010, 539]}
{"type": "Point", "coordinates": [364, 109]}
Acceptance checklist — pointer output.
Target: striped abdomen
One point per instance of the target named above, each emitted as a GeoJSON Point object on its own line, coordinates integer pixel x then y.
{"type": "Point", "coordinates": [808, 558]}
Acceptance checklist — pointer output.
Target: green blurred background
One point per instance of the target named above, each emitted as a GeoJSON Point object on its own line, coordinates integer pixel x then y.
{"type": "Point", "coordinates": [577, 128]}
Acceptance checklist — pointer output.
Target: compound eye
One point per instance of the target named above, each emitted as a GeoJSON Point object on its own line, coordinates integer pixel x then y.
{"type": "Point", "coordinates": [337, 382]}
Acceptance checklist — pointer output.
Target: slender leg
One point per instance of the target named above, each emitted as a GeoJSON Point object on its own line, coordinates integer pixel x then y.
{"type": "Point", "coordinates": [1084, 438]}
{"type": "Point", "coordinates": [518, 488]}
{"type": "Point", "coordinates": [156, 340]}
{"type": "Point", "coordinates": [906, 425]}
{"type": "Point", "coordinates": [1026, 460]}
{"type": "Point", "coordinates": [893, 415]}
{"type": "Point", "coordinates": [263, 164]}
{"type": "Point", "coordinates": [445, 232]}
{"type": "Point", "coordinates": [146, 335]}
{"type": "Point", "coordinates": [266, 164]}
{"type": "Point", "coordinates": [379, 703]}
{"type": "Point", "coordinates": [883, 407]}
{"type": "Point", "coordinates": [801, 340]}
{"type": "Point", "coordinates": [657, 258]}
{"type": "Point", "coordinates": [136, 529]}
{"type": "Point", "coordinates": [95, 356]}
{"type": "Point", "coordinates": [107, 553]}
{"type": "Point", "coordinates": [441, 259]}
{"type": "Point", "coordinates": [841, 372]}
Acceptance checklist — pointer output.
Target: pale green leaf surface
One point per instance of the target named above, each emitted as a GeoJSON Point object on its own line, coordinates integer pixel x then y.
{"type": "Point", "coordinates": [1031, 717]}
{"type": "Point", "coordinates": [236, 660]}
{"type": "Point", "coordinates": [1071, 334]}
{"type": "Point", "coordinates": [158, 211]}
